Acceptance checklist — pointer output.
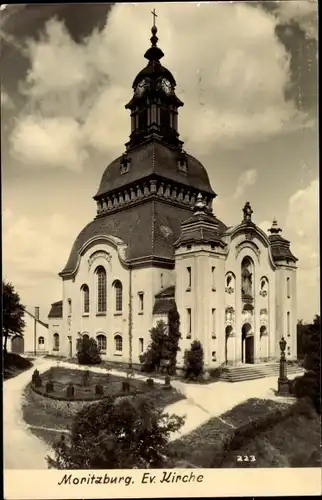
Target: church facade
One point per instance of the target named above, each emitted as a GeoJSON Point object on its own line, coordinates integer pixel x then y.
{"type": "Point", "coordinates": [156, 242]}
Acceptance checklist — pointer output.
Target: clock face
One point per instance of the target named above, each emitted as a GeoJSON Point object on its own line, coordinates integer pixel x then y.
{"type": "Point", "coordinates": [166, 85]}
{"type": "Point", "coordinates": [141, 86]}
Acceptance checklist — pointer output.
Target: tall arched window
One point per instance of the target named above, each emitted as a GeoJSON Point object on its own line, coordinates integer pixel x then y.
{"type": "Point", "coordinates": [101, 342]}
{"type": "Point", "coordinates": [85, 299]}
{"type": "Point", "coordinates": [118, 343]}
{"type": "Point", "coordinates": [56, 342]}
{"type": "Point", "coordinates": [118, 288]}
{"type": "Point", "coordinates": [101, 289]}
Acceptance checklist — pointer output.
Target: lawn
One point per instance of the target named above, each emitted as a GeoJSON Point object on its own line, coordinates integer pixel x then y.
{"type": "Point", "coordinates": [14, 365]}
{"type": "Point", "coordinates": [35, 414]}
{"type": "Point", "coordinates": [283, 444]}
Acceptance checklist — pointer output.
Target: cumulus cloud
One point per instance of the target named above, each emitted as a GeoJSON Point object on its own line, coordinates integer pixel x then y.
{"type": "Point", "coordinates": [304, 13]}
{"type": "Point", "coordinates": [230, 67]}
{"type": "Point", "coordinates": [246, 179]}
{"type": "Point", "coordinates": [302, 230]}
{"type": "Point", "coordinates": [32, 257]}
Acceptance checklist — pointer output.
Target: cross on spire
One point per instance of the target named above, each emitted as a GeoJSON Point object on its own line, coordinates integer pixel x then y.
{"type": "Point", "coordinates": [154, 16]}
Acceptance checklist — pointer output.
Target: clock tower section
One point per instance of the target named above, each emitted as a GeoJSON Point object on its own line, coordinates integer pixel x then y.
{"type": "Point", "coordinates": [154, 105]}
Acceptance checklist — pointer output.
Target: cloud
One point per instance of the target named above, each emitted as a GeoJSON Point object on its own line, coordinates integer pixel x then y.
{"type": "Point", "coordinates": [302, 230]}
{"type": "Point", "coordinates": [304, 13]}
{"type": "Point", "coordinates": [6, 101]}
{"type": "Point", "coordinates": [231, 70]}
{"type": "Point", "coordinates": [32, 257]}
{"type": "Point", "coordinates": [246, 179]}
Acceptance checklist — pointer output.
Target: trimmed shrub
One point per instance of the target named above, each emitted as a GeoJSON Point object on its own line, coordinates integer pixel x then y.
{"type": "Point", "coordinates": [125, 386]}
{"type": "Point", "coordinates": [70, 391]}
{"type": "Point", "coordinates": [150, 382]}
{"type": "Point", "coordinates": [88, 352]}
{"type": "Point", "coordinates": [99, 390]}
{"type": "Point", "coordinates": [49, 386]}
{"type": "Point", "coordinates": [86, 378]}
{"type": "Point", "coordinates": [194, 361]}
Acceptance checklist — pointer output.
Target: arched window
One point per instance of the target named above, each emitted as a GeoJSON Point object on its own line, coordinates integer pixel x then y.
{"type": "Point", "coordinates": [56, 342]}
{"type": "Point", "coordinates": [118, 343]}
{"type": "Point", "coordinates": [85, 336]}
{"type": "Point", "coordinates": [118, 296]}
{"type": "Point", "coordinates": [101, 289]}
{"type": "Point", "coordinates": [85, 299]}
{"type": "Point", "coordinates": [41, 342]}
{"type": "Point", "coordinates": [141, 345]}
{"type": "Point", "coordinates": [101, 342]}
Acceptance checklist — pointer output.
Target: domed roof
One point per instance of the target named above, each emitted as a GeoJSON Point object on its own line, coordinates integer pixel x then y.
{"type": "Point", "coordinates": [155, 159]}
{"type": "Point", "coordinates": [154, 70]}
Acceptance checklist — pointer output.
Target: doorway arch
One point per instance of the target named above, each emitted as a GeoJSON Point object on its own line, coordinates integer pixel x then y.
{"type": "Point", "coordinates": [247, 344]}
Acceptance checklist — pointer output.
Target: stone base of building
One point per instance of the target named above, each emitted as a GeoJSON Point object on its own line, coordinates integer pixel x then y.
{"type": "Point", "coordinates": [283, 387]}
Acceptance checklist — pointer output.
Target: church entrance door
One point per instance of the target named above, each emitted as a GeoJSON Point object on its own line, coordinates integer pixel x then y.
{"type": "Point", "coordinates": [247, 344]}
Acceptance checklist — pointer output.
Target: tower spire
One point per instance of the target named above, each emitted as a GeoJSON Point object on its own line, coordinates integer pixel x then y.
{"type": "Point", "coordinates": [154, 53]}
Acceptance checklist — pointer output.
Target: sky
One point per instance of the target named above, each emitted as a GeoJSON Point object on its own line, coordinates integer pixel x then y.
{"type": "Point", "coordinates": [247, 73]}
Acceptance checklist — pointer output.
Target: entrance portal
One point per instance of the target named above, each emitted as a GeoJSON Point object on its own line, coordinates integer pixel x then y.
{"type": "Point", "coordinates": [247, 344]}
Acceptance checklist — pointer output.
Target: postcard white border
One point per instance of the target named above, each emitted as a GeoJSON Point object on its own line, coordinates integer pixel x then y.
{"type": "Point", "coordinates": [43, 485]}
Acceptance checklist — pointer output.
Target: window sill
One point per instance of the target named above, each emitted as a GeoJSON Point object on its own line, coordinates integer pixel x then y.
{"type": "Point", "coordinates": [140, 313]}
{"type": "Point", "coordinates": [119, 313]}
{"type": "Point", "coordinates": [213, 289]}
{"type": "Point", "coordinates": [103, 351]}
{"type": "Point", "coordinates": [188, 289]}
{"type": "Point", "coordinates": [101, 314]}
{"type": "Point", "coordinates": [56, 349]}
{"type": "Point", "coordinates": [118, 354]}
{"type": "Point", "coordinates": [85, 315]}
{"type": "Point", "coordinates": [188, 336]}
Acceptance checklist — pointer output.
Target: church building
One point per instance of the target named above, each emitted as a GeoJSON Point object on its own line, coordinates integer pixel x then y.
{"type": "Point", "coordinates": [156, 241]}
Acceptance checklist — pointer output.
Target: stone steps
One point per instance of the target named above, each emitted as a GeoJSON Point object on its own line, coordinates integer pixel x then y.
{"type": "Point", "coordinates": [253, 372]}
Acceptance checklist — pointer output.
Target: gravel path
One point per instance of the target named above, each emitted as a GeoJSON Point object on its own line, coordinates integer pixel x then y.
{"type": "Point", "coordinates": [23, 450]}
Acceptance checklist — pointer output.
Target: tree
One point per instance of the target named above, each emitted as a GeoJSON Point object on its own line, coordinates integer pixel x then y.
{"type": "Point", "coordinates": [173, 339]}
{"type": "Point", "coordinates": [151, 359]}
{"type": "Point", "coordinates": [130, 432]}
{"type": "Point", "coordinates": [88, 352]}
{"type": "Point", "coordinates": [12, 312]}
{"type": "Point", "coordinates": [194, 360]}
{"type": "Point", "coordinates": [309, 384]}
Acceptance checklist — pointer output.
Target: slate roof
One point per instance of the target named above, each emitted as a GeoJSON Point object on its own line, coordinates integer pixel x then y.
{"type": "Point", "coordinates": [56, 310]}
{"type": "Point", "coordinates": [164, 301]}
{"type": "Point", "coordinates": [149, 229]}
{"type": "Point", "coordinates": [280, 248]}
{"type": "Point", "coordinates": [154, 159]}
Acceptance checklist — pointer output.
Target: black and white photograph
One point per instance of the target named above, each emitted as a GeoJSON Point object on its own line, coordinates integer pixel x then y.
{"type": "Point", "coordinates": [160, 236]}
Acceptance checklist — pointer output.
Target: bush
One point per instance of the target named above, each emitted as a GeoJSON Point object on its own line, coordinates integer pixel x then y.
{"type": "Point", "coordinates": [150, 382]}
{"type": "Point", "coordinates": [194, 361]}
{"type": "Point", "coordinates": [307, 386]}
{"type": "Point", "coordinates": [36, 379]}
{"type": "Point", "coordinates": [125, 386]}
{"type": "Point", "coordinates": [49, 386]}
{"type": "Point", "coordinates": [70, 391]}
{"type": "Point", "coordinates": [88, 352]}
{"type": "Point", "coordinates": [130, 432]}
{"type": "Point", "coordinates": [86, 378]}
{"type": "Point", "coordinates": [99, 390]}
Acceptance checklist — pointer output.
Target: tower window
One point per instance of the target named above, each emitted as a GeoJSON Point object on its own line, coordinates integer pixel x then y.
{"type": "Point", "coordinates": [161, 280]}
{"type": "Point", "coordinates": [288, 288]}
{"type": "Point", "coordinates": [213, 322]}
{"type": "Point", "coordinates": [56, 342]}
{"type": "Point", "coordinates": [141, 302]}
{"type": "Point", "coordinates": [188, 278]}
{"type": "Point", "coordinates": [143, 119]}
{"type": "Point", "coordinates": [288, 326]}
{"type": "Point", "coordinates": [165, 118]}
{"type": "Point", "coordinates": [141, 345]}
{"type": "Point", "coordinates": [41, 343]}
{"type": "Point", "coordinates": [188, 322]}
{"type": "Point", "coordinates": [213, 278]}
{"type": "Point", "coordinates": [125, 164]}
